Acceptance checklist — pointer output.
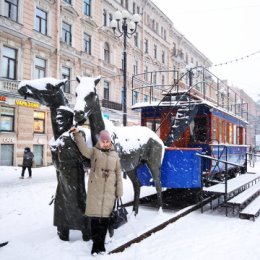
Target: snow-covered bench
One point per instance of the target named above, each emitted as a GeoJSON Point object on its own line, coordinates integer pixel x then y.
{"type": "Point", "coordinates": [244, 197]}
{"type": "Point", "coordinates": [252, 210]}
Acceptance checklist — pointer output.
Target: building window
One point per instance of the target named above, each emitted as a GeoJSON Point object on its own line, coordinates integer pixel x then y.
{"type": "Point", "coordinates": [9, 65]}
{"type": "Point", "coordinates": [187, 58]}
{"type": "Point", "coordinates": [38, 154]}
{"type": "Point", "coordinates": [106, 52]}
{"type": "Point", "coordinates": [174, 49]}
{"type": "Point", "coordinates": [163, 80]}
{"type": "Point", "coordinates": [145, 98]}
{"type": "Point", "coordinates": [87, 7]}
{"type": "Point", "coordinates": [66, 74]}
{"type": "Point", "coordinates": [155, 51]}
{"type": "Point", "coordinates": [110, 18]}
{"type": "Point", "coordinates": [135, 97]}
{"type": "Point", "coordinates": [136, 67]}
{"type": "Point", "coordinates": [7, 119]}
{"type": "Point", "coordinates": [154, 78]}
{"type": "Point", "coordinates": [67, 1]}
{"type": "Point", "coordinates": [134, 5]}
{"type": "Point", "coordinates": [11, 9]}
{"type": "Point", "coordinates": [146, 73]}
{"type": "Point", "coordinates": [39, 122]}
{"type": "Point", "coordinates": [106, 90]}
{"type": "Point", "coordinates": [146, 46]}
{"type": "Point", "coordinates": [87, 43]}
{"type": "Point", "coordinates": [126, 4]}
{"type": "Point", "coordinates": [163, 57]}
{"type": "Point", "coordinates": [7, 154]}
{"type": "Point", "coordinates": [40, 68]}
{"type": "Point", "coordinates": [136, 39]}
{"type": "Point", "coordinates": [41, 21]}
{"type": "Point", "coordinates": [104, 17]}
{"type": "Point", "coordinates": [66, 33]}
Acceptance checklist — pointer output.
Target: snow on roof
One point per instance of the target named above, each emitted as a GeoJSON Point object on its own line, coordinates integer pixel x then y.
{"type": "Point", "coordinates": [41, 83]}
{"type": "Point", "coordinates": [174, 103]}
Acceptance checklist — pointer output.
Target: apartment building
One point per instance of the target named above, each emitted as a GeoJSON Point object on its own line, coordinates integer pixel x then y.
{"type": "Point", "coordinates": [66, 38]}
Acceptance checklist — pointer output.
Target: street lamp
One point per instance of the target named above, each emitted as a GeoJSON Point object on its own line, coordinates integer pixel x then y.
{"type": "Point", "coordinates": [126, 28]}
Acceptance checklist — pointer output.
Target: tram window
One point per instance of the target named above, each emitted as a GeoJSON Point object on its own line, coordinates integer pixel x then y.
{"type": "Point", "coordinates": [230, 133]}
{"type": "Point", "coordinates": [220, 130]}
{"type": "Point", "coordinates": [154, 124]}
{"type": "Point", "coordinates": [214, 129]}
{"type": "Point", "coordinates": [224, 136]}
{"type": "Point", "coordinates": [200, 129]}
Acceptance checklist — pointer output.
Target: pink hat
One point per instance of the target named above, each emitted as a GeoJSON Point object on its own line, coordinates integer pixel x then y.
{"type": "Point", "coordinates": [104, 135]}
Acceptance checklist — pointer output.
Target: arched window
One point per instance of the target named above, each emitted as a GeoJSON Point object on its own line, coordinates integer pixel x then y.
{"type": "Point", "coordinates": [106, 52]}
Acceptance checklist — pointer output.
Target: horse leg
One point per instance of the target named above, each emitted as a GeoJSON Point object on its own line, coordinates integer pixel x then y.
{"type": "Point", "coordinates": [136, 185]}
{"type": "Point", "coordinates": [154, 167]}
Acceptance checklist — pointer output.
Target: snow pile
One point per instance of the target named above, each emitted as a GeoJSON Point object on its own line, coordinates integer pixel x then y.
{"type": "Point", "coordinates": [26, 222]}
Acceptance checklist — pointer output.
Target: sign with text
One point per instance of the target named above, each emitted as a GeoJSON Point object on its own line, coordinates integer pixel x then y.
{"type": "Point", "coordinates": [2, 98]}
{"type": "Point", "coordinates": [25, 103]}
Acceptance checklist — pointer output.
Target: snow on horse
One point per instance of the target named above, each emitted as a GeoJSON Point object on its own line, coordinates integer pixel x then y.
{"type": "Point", "coordinates": [135, 145]}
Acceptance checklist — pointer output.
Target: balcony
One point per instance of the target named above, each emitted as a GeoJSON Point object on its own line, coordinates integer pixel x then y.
{"type": "Point", "coordinates": [112, 105]}
{"type": "Point", "coordinates": [10, 86]}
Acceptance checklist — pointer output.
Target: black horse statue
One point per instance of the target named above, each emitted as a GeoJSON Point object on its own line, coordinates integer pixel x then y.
{"type": "Point", "coordinates": [48, 92]}
{"type": "Point", "coordinates": [135, 145]}
{"type": "Point", "coordinates": [70, 197]}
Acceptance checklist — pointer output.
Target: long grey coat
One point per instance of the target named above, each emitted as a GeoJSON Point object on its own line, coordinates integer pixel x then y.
{"type": "Point", "coordinates": [105, 179]}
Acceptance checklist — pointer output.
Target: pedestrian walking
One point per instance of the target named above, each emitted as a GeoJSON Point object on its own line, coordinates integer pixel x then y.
{"type": "Point", "coordinates": [27, 162]}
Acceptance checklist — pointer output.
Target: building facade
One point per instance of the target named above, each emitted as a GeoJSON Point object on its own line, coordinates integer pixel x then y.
{"type": "Point", "coordinates": [66, 38]}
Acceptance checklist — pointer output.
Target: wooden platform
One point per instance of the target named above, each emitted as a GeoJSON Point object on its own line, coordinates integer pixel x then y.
{"type": "Point", "coordinates": [235, 185]}
{"type": "Point", "coordinates": [247, 184]}
{"type": "Point", "coordinates": [252, 210]}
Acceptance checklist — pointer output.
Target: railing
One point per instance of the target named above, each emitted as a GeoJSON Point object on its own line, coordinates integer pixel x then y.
{"type": "Point", "coordinates": [9, 85]}
{"type": "Point", "coordinates": [204, 85]}
{"type": "Point", "coordinates": [112, 105]}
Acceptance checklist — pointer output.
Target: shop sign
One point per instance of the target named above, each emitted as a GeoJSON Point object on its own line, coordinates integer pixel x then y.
{"type": "Point", "coordinates": [2, 98]}
{"type": "Point", "coordinates": [8, 140]}
{"type": "Point", "coordinates": [25, 103]}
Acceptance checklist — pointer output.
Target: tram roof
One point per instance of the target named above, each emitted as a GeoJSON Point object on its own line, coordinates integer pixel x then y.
{"type": "Point", "coordinates": [198, 100]}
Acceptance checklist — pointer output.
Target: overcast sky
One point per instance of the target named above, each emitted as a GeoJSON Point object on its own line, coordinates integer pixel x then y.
{"type": "Point", "coordinates": [225, 31]}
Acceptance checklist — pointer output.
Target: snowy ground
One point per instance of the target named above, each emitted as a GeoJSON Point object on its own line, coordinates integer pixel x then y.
{"type": "Point", "coordinates": [26, 222]}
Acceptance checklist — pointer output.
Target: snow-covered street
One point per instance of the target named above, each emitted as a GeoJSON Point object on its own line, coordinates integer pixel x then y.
{"type": "Point", "coordinates": [26, 222]}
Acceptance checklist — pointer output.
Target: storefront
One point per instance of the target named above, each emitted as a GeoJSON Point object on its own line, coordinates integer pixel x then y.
{"type": "Point", "coordinates": [23, 123]}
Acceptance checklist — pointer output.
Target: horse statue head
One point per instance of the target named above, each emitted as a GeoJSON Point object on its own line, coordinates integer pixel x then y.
{"type": "Point", "coordinates": [86, 98]}
{"type": "Point", "coordinates": [47, 91]}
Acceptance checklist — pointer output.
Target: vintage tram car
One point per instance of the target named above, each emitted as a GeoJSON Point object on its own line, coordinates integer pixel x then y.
{"type": "Point", "coordinates": [191, 123]}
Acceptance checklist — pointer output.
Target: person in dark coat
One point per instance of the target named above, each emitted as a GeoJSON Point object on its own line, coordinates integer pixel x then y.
{"type": "Point", "coordinates": [27, 162]}
{"type": "Point", "coordinates": [104, 185]}
{"type": "Point", "coordinates": [70, 198]}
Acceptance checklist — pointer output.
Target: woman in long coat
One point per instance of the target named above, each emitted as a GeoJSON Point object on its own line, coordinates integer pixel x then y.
{"type": "Point", "coordinates": [104, 185]}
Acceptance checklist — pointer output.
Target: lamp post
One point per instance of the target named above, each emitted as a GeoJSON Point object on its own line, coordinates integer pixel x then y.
{"type": "Point", "coordinates": [126, 28]}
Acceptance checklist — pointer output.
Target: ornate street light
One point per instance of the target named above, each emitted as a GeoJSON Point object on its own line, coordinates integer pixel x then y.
{"type": "Point", "coordinates": [126, 28]}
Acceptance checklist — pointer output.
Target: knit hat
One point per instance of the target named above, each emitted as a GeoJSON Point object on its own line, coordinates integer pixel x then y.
{"type": "Point", "coordinates": [104, 136]}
